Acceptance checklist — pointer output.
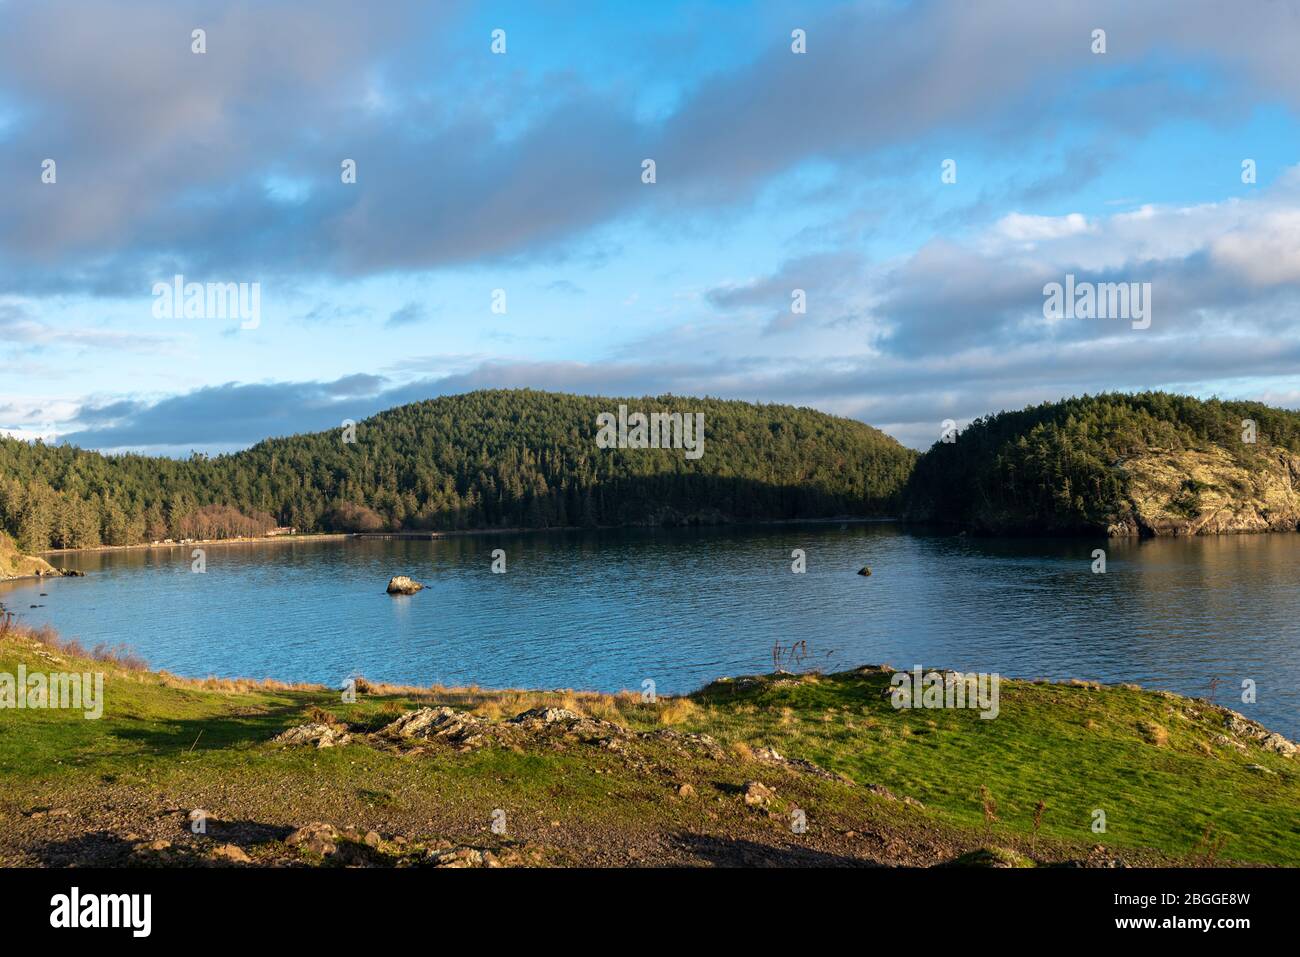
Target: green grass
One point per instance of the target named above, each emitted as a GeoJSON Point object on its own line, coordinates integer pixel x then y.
{"type": "Point", "coordinates": [1075, 748]}
{"type": "Point", "coordinates": [1078, 749]}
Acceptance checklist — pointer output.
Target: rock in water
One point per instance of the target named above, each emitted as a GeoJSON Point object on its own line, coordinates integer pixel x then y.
{"type": "Point", "coordinates": [402, 585]}
{"type": "Point", "coordinates": [865, 571]}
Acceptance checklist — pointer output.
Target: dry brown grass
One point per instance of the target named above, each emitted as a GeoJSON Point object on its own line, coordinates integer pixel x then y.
{"type": "Point", "coordinates": [675, 710]}
{"type": "Point", "coordinates": [119, 656]}
{"type": "Point", "coordinates": [490, 709]}
{"type": "Point", "coordinates": [608, 707]}
{"type": "Point", "coordinates": [318, 715]}
{"type": "Point", "coordinates": [236, 685]}
{"type": "Point", "coordinates": [1153, 733]}
{"type": "Point", "coordinates": [743, 751]}
{"type": "Point", "coordinates": [494, 705]}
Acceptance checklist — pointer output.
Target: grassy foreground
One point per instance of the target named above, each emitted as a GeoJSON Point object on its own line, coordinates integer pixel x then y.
{"type": "Point", "coordinates": [718, 777]}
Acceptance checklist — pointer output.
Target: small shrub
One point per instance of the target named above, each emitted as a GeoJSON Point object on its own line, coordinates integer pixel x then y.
{"type": "Point", "coordinates": [676, 710]}
{"type": "Point", "coordinates": [1156, 734]}
{"type": "Point", "coordinates": [743, 751]}
{"type": "Point", "coordinates": [318, 715]}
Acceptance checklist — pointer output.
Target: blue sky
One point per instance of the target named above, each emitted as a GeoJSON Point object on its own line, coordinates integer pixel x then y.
{"type": "Point", "coordinates": [521, 172]}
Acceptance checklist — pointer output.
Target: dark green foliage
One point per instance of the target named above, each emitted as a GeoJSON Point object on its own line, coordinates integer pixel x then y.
{"type": "Point", "coordinates": [1051, 467]}
{"type": "Point", "coordinates": [502, 458]}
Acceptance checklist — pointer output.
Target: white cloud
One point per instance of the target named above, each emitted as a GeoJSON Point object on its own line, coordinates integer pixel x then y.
{"type": "Point", "coordinates": [1266, 251]}
{"type": "Point", "coordinates": [1023, 228]}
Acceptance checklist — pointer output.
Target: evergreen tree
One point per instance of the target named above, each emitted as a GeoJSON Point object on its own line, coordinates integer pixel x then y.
{"type": "Point", "coordinates": [484, 459]}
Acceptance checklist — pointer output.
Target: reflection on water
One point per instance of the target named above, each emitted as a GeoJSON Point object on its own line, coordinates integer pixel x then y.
{"type": "Point", "coordinates": [607, 609]}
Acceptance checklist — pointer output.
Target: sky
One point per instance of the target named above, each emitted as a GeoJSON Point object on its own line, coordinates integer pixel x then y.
{"type": "Point", "coordinates": [918, 170]}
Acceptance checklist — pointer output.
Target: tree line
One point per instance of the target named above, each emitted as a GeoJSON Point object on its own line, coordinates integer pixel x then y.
{"type": "Point", "coordinates": [487, 459]}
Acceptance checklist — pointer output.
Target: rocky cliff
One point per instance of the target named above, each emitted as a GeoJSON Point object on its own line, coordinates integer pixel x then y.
{"type": "Point", "coordinates": [1149, 463]}
{"type": "Point", "coordinates": [1208, 492]}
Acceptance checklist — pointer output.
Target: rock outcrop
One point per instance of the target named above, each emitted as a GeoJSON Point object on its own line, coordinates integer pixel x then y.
{"type": "Point", "coordinates": [467, 732]}
{"type": "Point", "coordinates": [1208, 492]}
{"type": "Point", "coordinates": [14, 564]}
{"type": "Point", "coordinates": [1242, 728]}
{"type": "Point", "coordinates": [319, 837]}
{"type": "Point", "coordinates": [321, 735]}
{"type": "Point", "coordinates": [459, 729]}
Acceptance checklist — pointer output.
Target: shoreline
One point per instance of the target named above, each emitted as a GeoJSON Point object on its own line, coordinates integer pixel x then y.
{"type": "Point", "coordinates": [455, 533]}
{"type": "Point", "coordinates": [952, 528]}
{"type": "Point", "coordinates": [738, 682]}
{"type": "Point", "coordinates": [204, 542]}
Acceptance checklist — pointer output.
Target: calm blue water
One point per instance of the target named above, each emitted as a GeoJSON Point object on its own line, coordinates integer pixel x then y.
{"type": "Point", "coordinates": [605, 610]}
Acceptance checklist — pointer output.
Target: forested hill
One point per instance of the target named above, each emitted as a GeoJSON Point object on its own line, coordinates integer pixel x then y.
{"type": "Point", "coordinates": [1149, 463]}
{"type": "Point", "coordinates": [500, 458]}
